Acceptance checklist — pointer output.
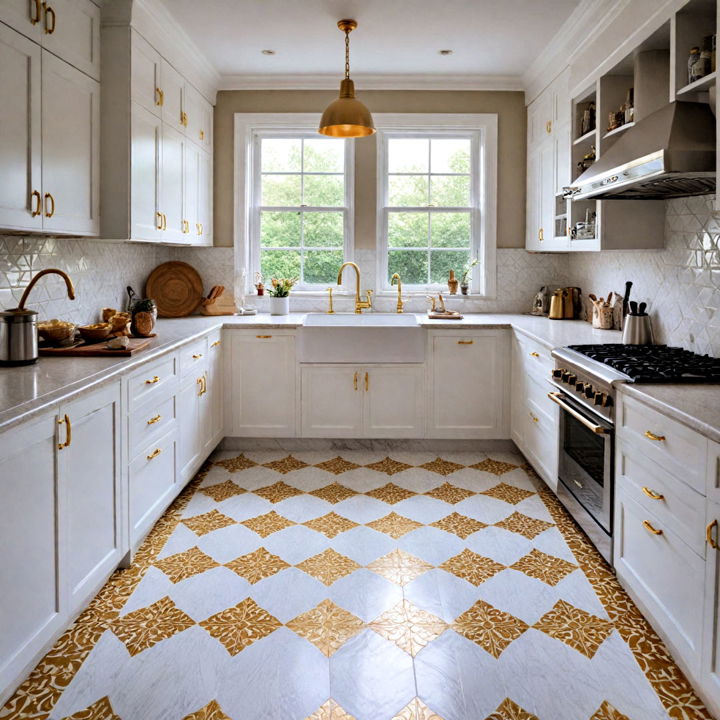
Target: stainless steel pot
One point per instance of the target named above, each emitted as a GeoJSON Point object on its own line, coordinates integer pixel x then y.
{"type": "Point", "coordinates": [18, 337]}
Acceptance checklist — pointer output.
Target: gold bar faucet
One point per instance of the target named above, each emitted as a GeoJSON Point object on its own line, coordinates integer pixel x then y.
{"type": "Point", "coordinates": [54, 271]}
{"type": "Point", "coordinates": [360, 304]}
{"type": "Point", "coordinates": [399, 284]}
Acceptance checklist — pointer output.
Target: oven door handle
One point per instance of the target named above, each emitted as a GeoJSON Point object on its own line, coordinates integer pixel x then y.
{"type": "Point", "coordinates": [597, 429]}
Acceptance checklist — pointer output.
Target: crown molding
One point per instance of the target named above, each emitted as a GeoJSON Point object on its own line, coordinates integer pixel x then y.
{"type": "Point", "coordinates": [372, 82]}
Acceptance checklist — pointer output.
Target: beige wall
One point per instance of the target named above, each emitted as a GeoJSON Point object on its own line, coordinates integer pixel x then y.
{"type": "Point", "coordinates": [509, 106]}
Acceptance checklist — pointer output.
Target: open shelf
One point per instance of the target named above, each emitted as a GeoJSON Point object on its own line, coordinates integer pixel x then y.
{"type": "Point", "coordinates": [701, 85]}
{"type": "Point", "coordinates": [586, 138]}
{"type": "Point", "coordinates": [618, 130]}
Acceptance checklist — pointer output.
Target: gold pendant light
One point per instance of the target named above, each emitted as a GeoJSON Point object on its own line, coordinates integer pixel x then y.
{"type": "Point", "coordinates": [346, 116]}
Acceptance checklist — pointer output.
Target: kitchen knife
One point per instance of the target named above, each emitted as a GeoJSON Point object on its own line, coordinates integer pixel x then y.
{"type": "Point", "coordinates": [626, 297]}
{"type": "Point", "coordinates": [633, 307]}
{"type": "Point", "coordinates": [641, 308]}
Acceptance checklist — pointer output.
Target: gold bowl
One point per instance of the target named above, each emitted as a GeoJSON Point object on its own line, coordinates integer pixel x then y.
{"type": "Point", "coordinates": [57, 332]}
{"type": "Point", "coordinates": [96, 332]}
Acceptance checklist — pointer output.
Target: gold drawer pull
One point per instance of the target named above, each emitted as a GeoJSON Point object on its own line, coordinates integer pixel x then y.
{"type": "Point", "coordinates": [197, 356]}
{"type": "Point", "coordinates": [154, 454]}
{"type": "Point", "coordinates": [36, 13]}
{"type": "Point", "coordinates": [153, 381]}
{"type": "Point", "coordinates": [355, 378]}
{"type": "Point", "coordinates": [465, 342]}
{"type": "Point", "coordinates": [159, 97]}
{"type": "Point", "coordinates": [653, 495]}
{"type": "Point", "coordinates": [263, 337]}
{"type": "Point", "coordinates": [183, 119]}
{"type": "Point", "coordinates": [651, 529]}
{"type": "Point", "coordinates": [367, 381]}
{"type": "Point", "coordinates": [216, 343]}
{"type": "Point", "coordinates": [68, 432]}
{"type": "Point", "coordinates": [37, 208]}
{"type": "Point", "coordinates": [153, 420]}
{"type": "Point", "coordinates": [49, 213]}
{"type": "Point", "coordinates": [534, 419]}
{"type": "Point", "coordinates": [712, 542]}
{"type": "Point", "coordinates": [652, 436]}
{"type": "Point", "coordinates": [534, 354]}
{"type": "Point", "coordinates": [159, 224]}
{"type": "Point", "coordinates": [49, 13]}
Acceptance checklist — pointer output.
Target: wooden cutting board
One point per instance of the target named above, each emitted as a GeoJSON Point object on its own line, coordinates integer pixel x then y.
{"type": "Point", "coordinates": [176, 288]}
{"type": "Point", "coordinates": [96, 349]}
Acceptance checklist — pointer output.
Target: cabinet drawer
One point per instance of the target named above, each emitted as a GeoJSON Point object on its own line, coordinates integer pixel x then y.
{"type": "Point", "coordinates": [151, 421]}
{"type": "Point", "coordinates": [193, 356]}
{"type": "Point", "coordinates": [673, 446]}
{"type": "Point", "coordinates": [535, 359]}
{"type": "Point", "coordinates": [662, 573]}
{"type": "Point", "coordinates": [675, 505]}
{"type": "Point", "coordinates": [154, 380]}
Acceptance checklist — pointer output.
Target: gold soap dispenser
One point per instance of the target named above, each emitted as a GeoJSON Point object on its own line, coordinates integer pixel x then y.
{"type": "Point", "coordinates": [557, 304]}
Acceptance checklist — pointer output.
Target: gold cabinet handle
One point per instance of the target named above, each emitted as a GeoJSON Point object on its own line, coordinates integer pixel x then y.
{"type": "Point", "coordinates": [164, 227]}
{"type": "Point", "coordinates": [159, 97]}
{"type": "Point", "coordinates": [653, 495]}
{"type": "Point", "coordinates": [465, 342]}
{"type": "Point", "coordinates": [263, 337]}
{"type": "Point", "coordinates": [65, 420]}
{"type": "Point", "coordinates": [652, 436]}
{"type": "Point", "coordinates": [205, 376]}
{"type": "Point", "coordinates": [199, 382]}
{"type": "Point", "coordinates": [197, 229]}
{"type": "Point", "coordinates": [51, 212]}
{"type": "Point", "coordinates": [533, 417]}
{"type": "Point", "coordinates": [153, 454]}
{"type": "Point", "coordinates": [183, 119]}
{"type": "Point", "coordinates": [548, 127]}
{"type": "Point", "coordinates": [201, 228]}
{"type": "Point", "coordinates": [712, 542]}
{"type": "Point", "coordinates": [534, 354]}
{"type": "Point", "coordinates": [49, 12]}
{"type": "Point", "coordinates": [648, 526]}
{"type": "Point", "coordinates": [37, 209]}
{"type": "Point", "coordinates": [217, 343]}
{"type": "Point", "coordinates": [155, 419]}
{"type": "Point", "coordinates": [197, 356]}
{"type": "Point", "coordinates": [36, 12]}
{"type": "Point", "coordinates": [355, 379]}
{"type": "Point", "coordinates": [367, 381]}
{"type": "Point", "coordinates": [158, 224]}
{"type": "Point", "coordinates": [153, 380]}
{"type": "Point", "coordinates": [202, 134]}
{"type": "Point", "coordinates": [541, 235]}
{"type": "Point", "coordinates": [185, 227]}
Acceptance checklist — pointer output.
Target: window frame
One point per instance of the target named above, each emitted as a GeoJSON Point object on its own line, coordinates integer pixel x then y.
{"type": "Point", "coordinates": [482, 131]}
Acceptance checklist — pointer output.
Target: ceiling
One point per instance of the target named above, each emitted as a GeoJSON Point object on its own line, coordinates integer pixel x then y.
{"type": "Point", "coordinates": [394, 37]}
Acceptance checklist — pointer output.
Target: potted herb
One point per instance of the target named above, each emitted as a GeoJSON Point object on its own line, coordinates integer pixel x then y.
{"type": "Point", "coordinates": [280, 295]}
{"type": "Point", "coordinates": [467, 272]}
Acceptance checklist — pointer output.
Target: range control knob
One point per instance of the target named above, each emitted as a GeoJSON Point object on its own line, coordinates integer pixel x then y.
{"type": "Point", "coordinates": [608, 401]}
{"type": "Point", "coordinates": [572, 379]}
{"type": "Point", "coordinates": [600, 398]}
{"type": "Point", "coordinates": [580, 385]}
{"type": "Point", "coordinates": [589, 390]}
{"type": "Point", "coordinates": [557, 372]}
{"type": "Point", "coordinates": [565, 376]}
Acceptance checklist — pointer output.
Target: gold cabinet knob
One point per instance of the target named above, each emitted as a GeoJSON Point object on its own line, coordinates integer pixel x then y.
{"type": "Point", "coordinates": [534, 354]}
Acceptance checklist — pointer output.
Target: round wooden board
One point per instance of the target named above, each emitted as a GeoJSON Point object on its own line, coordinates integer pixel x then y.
{"type": "Point", "coordinates": [176, 288]}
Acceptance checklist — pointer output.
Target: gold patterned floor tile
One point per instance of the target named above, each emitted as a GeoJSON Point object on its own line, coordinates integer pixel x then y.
{"type": "Point", "coordinates": [575, 627]}
{"type": "Point", "coordinates": [186, 564]}
{"type": "Point", "coordinates": [222, 491]}
{"type": "Point", "coordinates": [441, 467]}
{"type": "Point", "coordinates": [394, 525]}
{"type": "Point", "coordinates": [409, 627]}
{"type": "Point", "coordinates": [528, 527]}
{"type": "Point", "coordinates": [100, 710]}
{"type": "Point", "coordinates": [328, 566]}
{"type": "Point", "coordinates": [607, 712]}
{"type": "Point", "coordinates": [326, 626]}
{"type": "Point", "coordinates": [450, 493]}
{"type": "Point", "coordinates": [268, 524]}
{"type": "Point", "coordinates": [239, 627]}
{"type": "Point", "coordinates": [389, 466]}
{"type": "Point", "coordinates": [330, 524]}
{"type": "Point", "coordinates": [390, 493]}
{"type": "Point", "coordinates": [143, 628]}
{"type": "Point", "coordinates": [496, 467]}
{"type": "Point", "coordinates": [211, 711]}
{"type": "Point", "coordinates": [399, 567]}
{"type": "Point", "coordinates": [508, 493]}
{"type": "Point", "coordinates": [416, 709]}
{"type": "Point", "coordinates": [277, 492]}
{"type": "Point", "coordinates": [508, 710]}
{"type": "Point", "coordinates": [492, 629]}
{"type": "Point", "coordinates": [208, 522]}
{"type": "Point", "coordinates": [337, 465]}
{"type": "Point", "coordinates": [330, 710]}
{"type": "Point", "coordinates": [460, 525]}
{"type": "Point", "coordinates": [472, 567]}
{"type": "Point", "coordinates": [333, 493]}
{"type": "Point", "coordinates": [257, 565]}
{"type": "Point", "coordinates": [286, 465]}
{"type": "Point", "coordinates": [541, 566]}
{"type": "Point", "coordinates": [237, 464]}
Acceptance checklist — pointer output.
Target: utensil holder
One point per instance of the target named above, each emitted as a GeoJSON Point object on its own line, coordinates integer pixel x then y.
{"type": "Point", "coordinates": [637, 330]}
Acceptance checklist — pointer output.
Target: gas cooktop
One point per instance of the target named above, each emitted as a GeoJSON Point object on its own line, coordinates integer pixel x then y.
{"type": "Point", "coordinates": [654, 363]}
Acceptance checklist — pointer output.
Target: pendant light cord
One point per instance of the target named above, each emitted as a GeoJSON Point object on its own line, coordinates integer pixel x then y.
{"type": "Point", "coordinates": [347, 54]}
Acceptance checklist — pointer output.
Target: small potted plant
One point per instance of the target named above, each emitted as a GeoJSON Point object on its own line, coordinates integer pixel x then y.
{"type": "Point", "coordinates": [464, 280]}
{"type": "Point", "coordinates": [280, 295]}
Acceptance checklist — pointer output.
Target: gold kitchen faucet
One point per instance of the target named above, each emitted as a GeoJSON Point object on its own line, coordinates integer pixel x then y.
{"type": "Point", "coordinates": [360, 304]}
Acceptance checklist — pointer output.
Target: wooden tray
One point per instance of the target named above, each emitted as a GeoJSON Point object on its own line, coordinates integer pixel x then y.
{"type": "Point", "coordinates": [96, 349]}
{"type": "Point", "coordinates": [176, 288]}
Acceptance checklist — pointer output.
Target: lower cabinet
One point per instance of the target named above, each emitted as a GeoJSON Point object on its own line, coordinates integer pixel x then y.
{"type": "Point", "coordinates": [212, 416]}
{"type": "Point", "coordinates": [363, 401]}
{"type": "Point", "coordinates": [710, 664]}
{"type": "Point", "coordinates": [190, 401]}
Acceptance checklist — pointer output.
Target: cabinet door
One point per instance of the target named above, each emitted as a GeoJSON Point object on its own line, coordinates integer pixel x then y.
{"type": "Point", "coordinates": [332, 401]}
{"type": "Point", "coordinates": [214, 394]}
{"type": "Point", "coordinates": [145, 75]}
{"type": "Point", "coordinates": [394, 401]}
{"type": "Point", "coordinates": [71, 146]}
{"type": "Point", "coordinates": [710, 672]}
{"type": "Point", "coordinates": [25, 16]}
{"type": "Point", "coordinates": [190, 439]}
{"type": "Point", "coordinates": [171, 184]}
{"type": "Point", "coordinates": [146, 222]}
{"type": "Point", "coordinates": [199, 117]}
{"type": "Point", "coordinates": [713, 472]}
{"type": "Point", "coordinates": [91, 515]}
{"type": "Point", "coordinates": [469, 385]}
{"type": "Point", "coordinates": [31, 597]}
{"type": "Point", "coordinates": [533, 221]}
{"type": "Point", "coordinates": [74, 33]}
{"type": "Point", "coordinates": [260, 385]}
{"type": "Point", "coordinates": [20, 140]}
{"type": "Point", "coordinates": [173, 90]}
{"type": "Point", "coordinates": [191, 190]}
{"type": "Point", "coordinates": [204, 227]}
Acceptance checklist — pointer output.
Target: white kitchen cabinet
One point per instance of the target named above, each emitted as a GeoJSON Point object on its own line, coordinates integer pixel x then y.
{"type": "Point", "coordinates": [204, 224]}
{"type": "Point", "coordinates": [189, 402]}
{"type": "Point", "coordinates": [394, 401]}
{"type": "Point", "coordinates": [146, 220]}
{"type": "Point", "coordinates": [332, 401]}
{"type": "Point", "coordinates": [212, 411]}
{"type": "Point", "coordinates": [713, 473]}
{"type": "Point", "coordinates": [20, 139]}
{"type": "Point", "coordinates": [191, 191]}
{"type": "Point", "coordinates": [25, 16]}
{"type": "Point", "coordinates": [71, 145]}
{"type": "Point", "coordinates": [145, 69]}
{"type": "Point", "coordinates": [173, 90]}
{"type": "Point", "coordinates": [172, 181]}
{"type": "Point", "coordinates": [710, 670]}
{"type": "Point", "coordinates": [198, 113]}
{"type": "Point", "coordinates": [260, 383]}
{"type": "Point", "coordinates": [468, 384]}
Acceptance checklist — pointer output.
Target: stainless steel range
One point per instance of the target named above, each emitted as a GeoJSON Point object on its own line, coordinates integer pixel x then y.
{"type": "Point", "coordinates": [585, 377]}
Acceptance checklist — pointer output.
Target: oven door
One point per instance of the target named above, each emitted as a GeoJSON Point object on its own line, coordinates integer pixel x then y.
{"type": "Point", "coordinates": [586, 459]}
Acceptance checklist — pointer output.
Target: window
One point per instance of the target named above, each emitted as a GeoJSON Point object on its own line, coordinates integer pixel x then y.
{"type": "Point", "coordinates": [301, 204]}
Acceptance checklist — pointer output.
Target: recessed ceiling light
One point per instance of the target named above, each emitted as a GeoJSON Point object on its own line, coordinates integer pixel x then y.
{"type": "Point", "coordinates": [267, 52]}
{"type": "Point", "coordinates": [445, 52]}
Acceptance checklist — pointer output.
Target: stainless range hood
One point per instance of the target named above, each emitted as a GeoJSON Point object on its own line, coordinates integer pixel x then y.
{"type": "Point", "coordinates": [670, 153]}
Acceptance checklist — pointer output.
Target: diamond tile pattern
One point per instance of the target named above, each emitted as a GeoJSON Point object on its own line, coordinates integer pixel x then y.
{"type": "Point", "coordinates": [399, 567]}
{"type": "Point", "coordinates": [208, 522]}
{"type": "Point", "coordinates": [492, 629]}
{"type": "Point", "coordinates": [257, 565]}
{"type": "Point", "coordinates": [524, 525]}
{"type": "Point", "coordinates": [450, 493]}
{"type": "Point", "coordinates": [222, 491]}
{"type": "Point", "coordinates": [100, 710]}
{"type": "Point", "coordinates": [212, 711]}
{"type": "Point", "coordinates": [409, 627]}
{"type": "Point", "coordinates": [416, 710]}
{"type": "Point", "coordinates": [286, 465]}
{"type": "Point", "coordinates": [237, 464]}
{"type": "Point", "coordinates": [333, 493]}
{"type": "Point", "coordinates": [186, 564]}
{"type": "Point", "coordinates": [330, 710]}
{"type": "Point", "coordinates": [328, 566]}
{"type": "Point", "coordinates": [493, 466]}
{"type": "Point", "coordinates": [327, 626]}
{"type": "Point", "coordinates": [389, 466]}
{"type": "Point", "coordinates": [607, 712]}
{"type": "Point", "coordinates": [472, 567]}
{"type": "Point", "coordinates": [337, 465]}
{"type": "Point", "coordinates": [394, 525]}
{"type": "Point", "coordinates": [267, 524]}
{"type": "Point", "coordinates": [537, 564]}
{"type": "Point", "coordinates": [331, 524]}
{"type": "Point", "coordinates": [277, 492]}
{"type": "Point", "coordinates": [459, 525]}
{"type": "Point", "coordinates": [508, 493]}
{"type": "Point", "coordinates": [509, 710]}
{"type": "Point", "coordinates": [390, 493]}
{"type": "Point", "coordinates": [441, 467]}
{"type": "Point", "coordinates": [575, 627]}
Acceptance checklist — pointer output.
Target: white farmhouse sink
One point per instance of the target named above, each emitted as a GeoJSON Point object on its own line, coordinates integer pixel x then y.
{"type": "Point", "coordinates": [367, 338]}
